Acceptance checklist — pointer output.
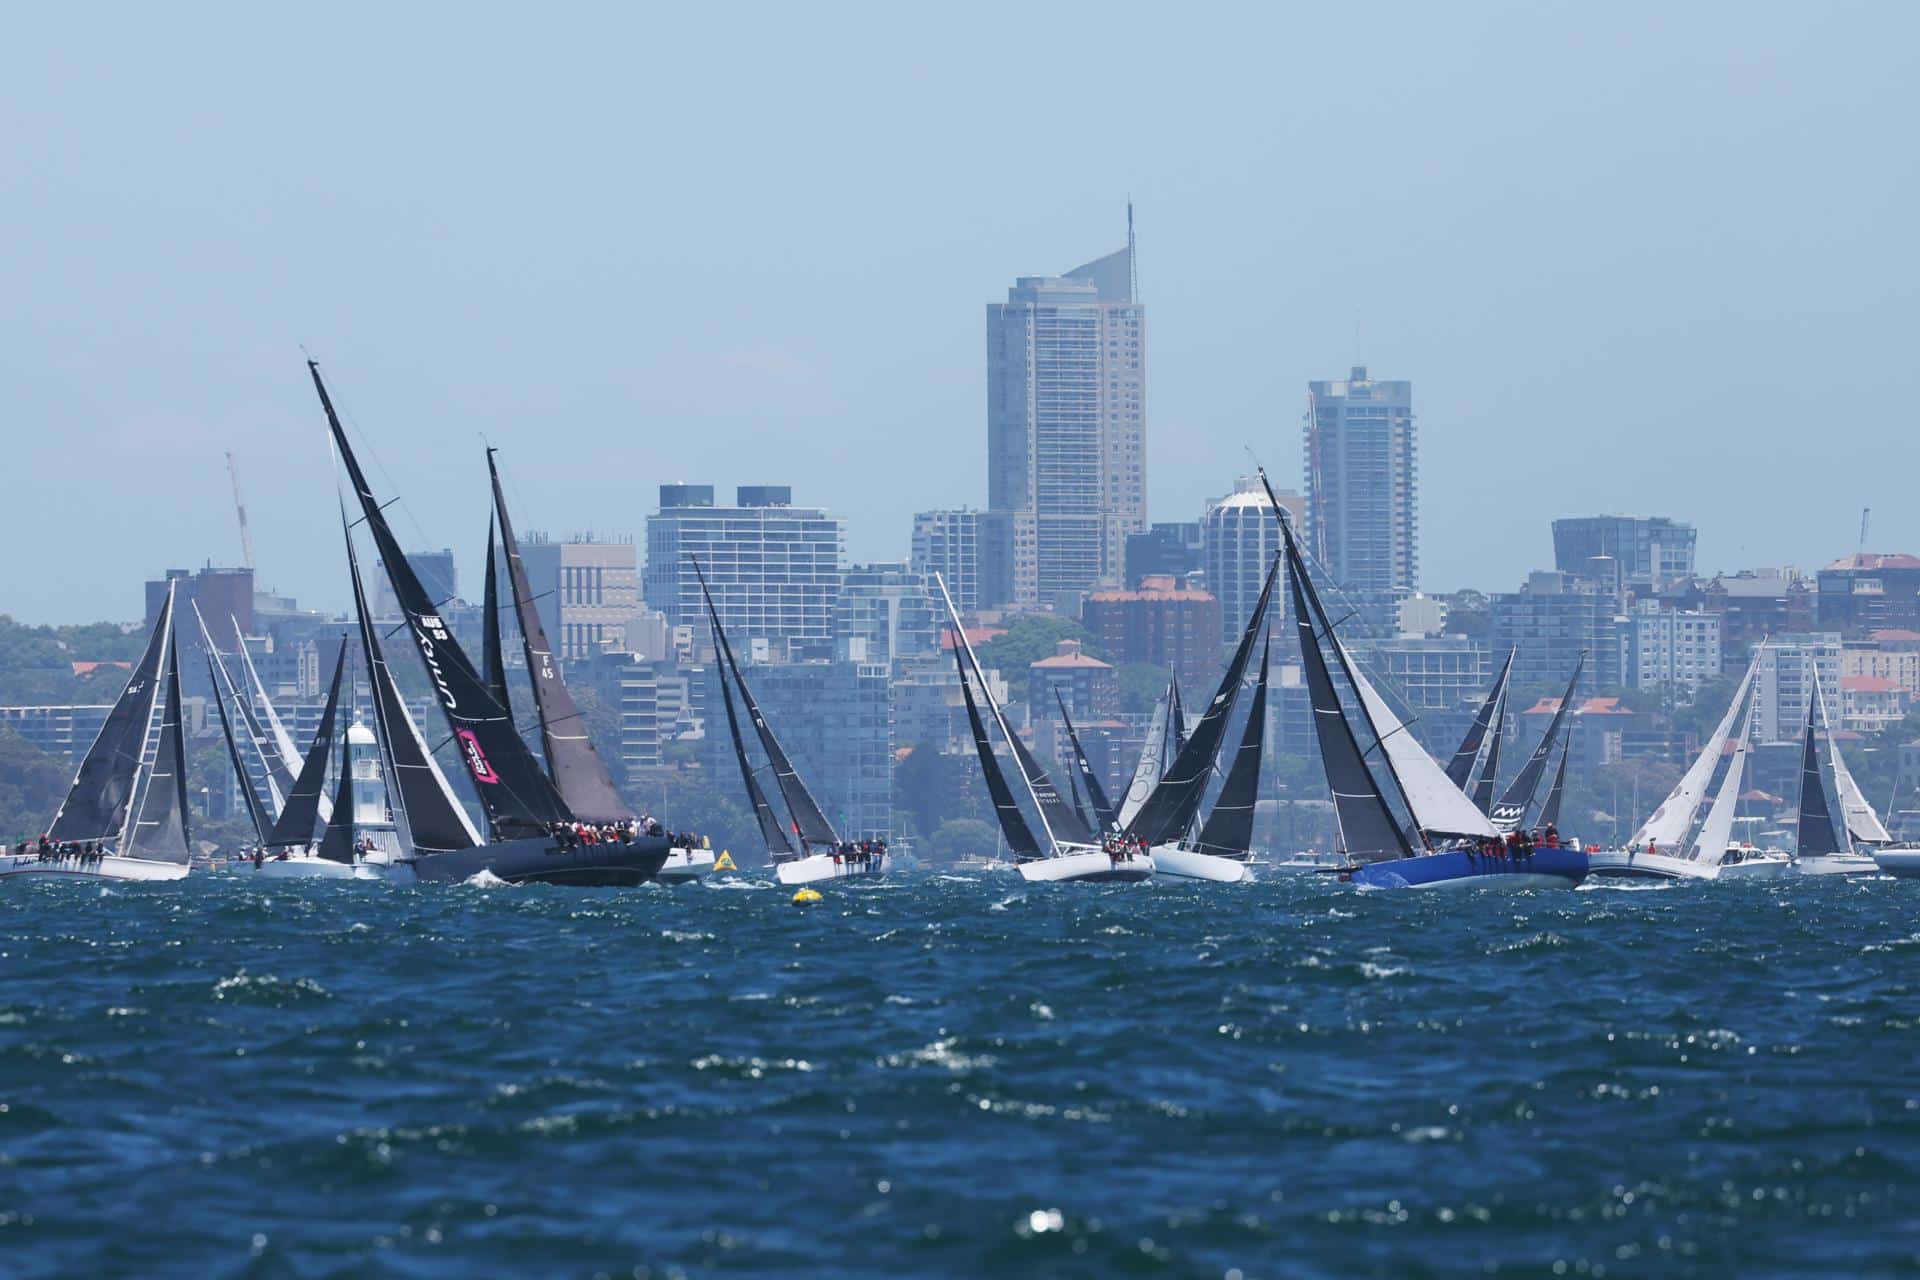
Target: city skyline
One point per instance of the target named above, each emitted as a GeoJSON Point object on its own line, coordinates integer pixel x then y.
{"type": "Point", "coordinates": [1639, 307]}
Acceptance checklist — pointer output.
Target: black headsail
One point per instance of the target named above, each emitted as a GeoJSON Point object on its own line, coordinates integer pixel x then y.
{"type": "Point", "coordinates": [1170, 811]}
{"type": "Point", "coordinates": [97, 804]}
{"type": "Point", "coordinates": [1550, 811]}
{"type": "Point", "coordinates": [297, 820]}
{"type": "Point", "coordinates": [493, 662]}
{"type": "Point", "coordinates": [256, 808]}
{"type": "Point", "coordinates": [517, 795]}
{"type": "Point", "coordinates": [1482, 793]}
{"type": "Point", "coordinates": [159, 830]}
{"type": "Point", "coordinates": [337, 844]}
{"type": "Point", "coordinates": [433, 821]}
{"type": "Point", "coordinates": [775, 835]}
{"type": "Point", "coordinates": [1062, 819]}
{"type": "Point", "coordinates": [576, 767]}
{"type": "Point", "coordinates": [1228, 830]}
{"type": "Point", "coordinates": [1460, 768]}
{"type": "Point", "coordinates": [1176, 726]}
{"type": "Point", "coordinates": [809, 823]}
{"type": "Point", "coordinates": [1518, 798]}
{"type": "Point", "coordinates": [1013, 823]}
{"type": "Point", "coordinates": [1816, 832]}
{"type": "Point", "coordinates": [1089, 781]}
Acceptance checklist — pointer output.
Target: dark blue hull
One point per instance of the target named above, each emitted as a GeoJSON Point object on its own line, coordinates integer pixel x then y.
{"type": "Point", "coordinates": [1541, 869]}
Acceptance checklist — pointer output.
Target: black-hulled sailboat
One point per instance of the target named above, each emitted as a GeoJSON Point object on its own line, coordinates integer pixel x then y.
{"type": "Point", "coordinates": [807, 849]}
{"type": "Point", "coordinates": [1068, 849]}
{"type": "Point", "coordinates": [1443, 838]}
{"type": "Point", "coordinates": [533, 833]}
{"type": "Point", "coordinates": [125, 816]}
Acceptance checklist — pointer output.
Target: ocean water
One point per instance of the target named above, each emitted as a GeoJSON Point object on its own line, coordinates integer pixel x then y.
{"type": "Point", "coordinates": [958, 1076]}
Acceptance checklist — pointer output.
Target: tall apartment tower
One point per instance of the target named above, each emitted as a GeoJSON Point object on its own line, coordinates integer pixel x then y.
{"type": "Point", "coordinates": [1242, 538]}
{"type": "Point", "coordinates": [1362, 469]}
{"type": "Point", "coordinates": [1066, 426]}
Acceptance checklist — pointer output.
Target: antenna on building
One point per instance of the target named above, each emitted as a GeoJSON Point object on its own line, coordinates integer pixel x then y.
{"type": "Point", "coordinates": [1866, 513]}
{"type": "Point", "coordinates": [240, 509]}
{"type": "Point", "coordinates": [1133, 258]}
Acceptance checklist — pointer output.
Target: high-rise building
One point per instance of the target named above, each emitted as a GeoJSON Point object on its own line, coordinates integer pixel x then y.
{"type": "Point", "coordinates": [774, 568]}
{"type": "Point", "coordinates": [1165, 551]}
{"type": "Point", "coordinates": [971, 550]}
{"type": "Point", "coordinates": [1362, 469]}
{"type": "Point", "coordinates": [1553, 619]}
{"type": "Point", "coordinates": [1670, 648]}
{"type": "Point", "coordinates": [1241, 539]}
{"type": "Point", "coordinates": [1066, 426]}
{"type": "Point", "coordinates": [1784, 680]}
{"type": "Point", "coordinates": [586, 591]}
{"type": "Point", "coordinates": [224, 596]}
{"type": "Point", "coordinates": [887, 612]}
{"type": "Point", "coordinates": [1652, 551]}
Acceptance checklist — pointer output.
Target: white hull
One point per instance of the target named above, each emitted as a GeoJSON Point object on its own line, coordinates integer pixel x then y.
{"type": "Point", "coordinates": [684, 866]}
{"type": "Point", "coordinates": [1619, 864]}
{"type": "Point", "coordinates": [106, 867]}
{"type": "Point", "coordinates": [1297, 863]}
{"type": "Point", "coordinates": [1090, 865]}
{"type": "Point", "coordinates": [1174, 863]}
{"type": "Point", "coordinates": [1757, 866]}
{"type": "Point", "coordinates": [1899, 861]}
{"type": "Point", "coordinates": [818, 867]}
{"type": "Point", "coordinates": [300, 866]}
{"type": "Point", "coordinates": [1837, 864]}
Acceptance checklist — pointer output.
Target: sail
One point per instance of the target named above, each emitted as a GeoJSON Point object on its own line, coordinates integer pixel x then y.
{"type": "Point", "coordinates": [809, 823]}
{"type": "Point", "coordinates": [256, 808]}
{"type": "Point", "coordinates": [575, 766]}
{"type": "Point", "coordinates": [296, 823]}
{"type": "Point", "coordinates": [1169, 812]}
{"type": "Point", "coordinates": [1816, 836]}
{"type": "Point", "coordinates": [286, 758]}
{"type": "Point", "coordinates": [265, 755]}
{"type": "Point", "coordinates": [98, 803]}
{"type": "Point", "coordinates": [435, 822]}
{"type": "Point", "coordinates": [1460, 768]}
{"type": "Point", "coordinates": [1060, 817]}
{"type": "Point", "coordinates": [1863, 824]}
{"type": "Point", "coordinates": [1550, 811]}
{"type": "Point", "coordinates": [1146, 774]}
{"type": "Point", "coordinates": [1482, 793]}
{"type": "Point", "coordinates": [516, 793]}
{"type": "Point", "coordinates": [337, 844]}
{"type": "Point", "coordinates": [1670, 821]}
{"type": "Point", "coordinates": [1710, 844]}
{"type": "Point", "coordinates": [159, 829]}
{"type": "Point", "coordinates": [493, 662]}
{"type": "Point", "coordinates": [1176, 724]}
{"type": "Point", "coordinates": [1518, 798]}
{"type": "Point", "coordinates": [1089, 782]}
{"type": "Point", "coordinates": [770, 829]}
{"type": "Point", "coordinates": [1013, 824]}
{"type": "Point", "coordinates": [1228, 830]}
{"type": "Point", "coordinates": [1439, 807]}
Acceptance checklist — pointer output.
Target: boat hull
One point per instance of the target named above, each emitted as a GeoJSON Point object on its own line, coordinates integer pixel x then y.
{"type": "Point", "coordinates": [105, 867]}
{"type": "Point", "coordinates": [1837, 864]}
{"type": "Point", "coordinates": [1769, 866]}
{"type": "Point", "coordinates": [535, 860]}
{"type": "Point", "coordinates": [1171, 862]}
{"type": "Point", "coordinates": [818, 867]}
{"type": "Point", "coordinates": [1625, 864]}
{"type": "Point", "coordinates": [1458, 869]}
{"type": "Point", "coordinates": [684, 866]}
{"type": "Point", "coordinates": [298, 867]}
{"type": "Point", "coordinates": [1090, 866]}
{"type": "Point", "coordinates": [1305, 863]}
{"type": "Point", "coordinates": [1900, 861]}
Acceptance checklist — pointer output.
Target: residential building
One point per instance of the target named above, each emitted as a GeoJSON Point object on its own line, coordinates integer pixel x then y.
{"type": "Point", "coordinates": [1441, 680]}
{"type": "Point", "coordinates": [224, 596]}
{"type": "Point", "coordinates": [1871, 704]}
{"type": "Point", "coordinates": [586, 590]}
{"type": "Point", "coordinates": [1066, 427]}
{"type": "Point", "coordinates": [1672, 649]}
{"type": "Point", "coordinates": [1753, 604]}
{"type": "Point", "coordinates": [1164, 622]}
{"type": "Point", "coordinates": [1241, 539]}
{"type": "Point", "coordinates": [1165, 551]}
{"type": "Point", "coordinates": [887, 612]}
{"type": "Point", "coordinates": [1651, 551]}
{"type": "Point", "coordinates": [1889, 655]}
{"type": "Point", "coordinates": [1869, 592]}
{"type": "Point", "coordinates": [64, 731]}
{"type": "Point", "coordinates": [971, 550]}
{"type": "Point", "coordinates": [1089, 686]}
{"type": "Point", "coordinates": [1552, 620]}
{"type": "Point", "coordinates": [774, 568]}
{"type": "Point", "coordinates": [1362, 469]}
{"type": "Point", "coordinates": [1785, 678]}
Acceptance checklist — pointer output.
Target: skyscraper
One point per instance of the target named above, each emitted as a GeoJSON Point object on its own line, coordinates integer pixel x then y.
{"type": "Point", "coordinates": [1241, 539]}
{"type": "Point", "coordinates": [1066, 425]}
{"type": "Point", "coordinates": [1362, 468]}
{"type": "Point", "coordinates": [970, 551]}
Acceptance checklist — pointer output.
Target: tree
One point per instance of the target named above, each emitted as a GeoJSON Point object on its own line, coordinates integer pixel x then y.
{"type": "Point", "coordinates": [1026, 641]}
{"type": "Point", "coordinates": [1142, 686]}
{"type": "Point", "coordinates": [961, 837]}
{"type": "Point", "coordinates": [931, 787]}
{"type": "Point", "coordinates": [32, 784]}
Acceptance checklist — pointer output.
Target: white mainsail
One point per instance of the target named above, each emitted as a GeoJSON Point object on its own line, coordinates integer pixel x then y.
{"type": "Point", "coordinates": [1437, 804]}
{"type": "Point", "coordinates": [1146, 774]}
{"type": "Point", "coordinates": [1670, 821]}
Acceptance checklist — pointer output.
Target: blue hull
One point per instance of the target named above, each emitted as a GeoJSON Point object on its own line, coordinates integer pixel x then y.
{"type": "Point", "coordinates": [1543, 868]}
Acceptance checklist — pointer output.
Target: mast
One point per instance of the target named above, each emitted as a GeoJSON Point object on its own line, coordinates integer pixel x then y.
{"type": "Point", "coordinates": [1228, 830]}
{"type": "Point", "coordinates": [282, 740]}
{"type": "Point", "coordinates": [295, 825]}
{"type": "Point", "coordinates": [1460, 768]}
{"type": "Point", "coordinates": [1490, 770]}
{"type": "Point", "coordinates": [99, 802]}
{"type": "Point", "coordinates": [1710, 844]}
{"type": "Point", "coordinates": [575, 765]}
{"type": "Point", "coordinates": [256, 811]}
{"type": "Point", "coordinates": [1668, 824]}
{"type": "Point", "coordinates": [492, 664]}
{"type": "Point", "coordinates": [1518, 797]}
{"type": "Point", "coordinates": [1096, 794]}
{"type": "Point", "coordinates": [1862, 824]}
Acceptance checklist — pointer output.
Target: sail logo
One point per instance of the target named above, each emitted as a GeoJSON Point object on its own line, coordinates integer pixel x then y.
{"type": "Point", "coordinates": [431, 622]}
{"type": "Point", "coordinates": [476, 758]}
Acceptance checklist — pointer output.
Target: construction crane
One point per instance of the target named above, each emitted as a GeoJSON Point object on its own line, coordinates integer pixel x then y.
{"type": "Point", "coordinates": [240, 509]}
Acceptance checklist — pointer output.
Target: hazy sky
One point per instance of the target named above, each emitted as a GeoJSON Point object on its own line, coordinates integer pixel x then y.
{"type": "Point", "coordinates": [1652, 258]}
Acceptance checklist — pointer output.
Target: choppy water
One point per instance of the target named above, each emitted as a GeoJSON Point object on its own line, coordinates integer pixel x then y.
{"type": "Point", "coordinates": [954, 1076]}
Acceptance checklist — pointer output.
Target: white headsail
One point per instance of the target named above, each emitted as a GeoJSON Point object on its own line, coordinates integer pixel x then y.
{"type": "Point", "coordinates": [1863, 824]}
{"type": "Point", "coordinates": [1437, 804]}
{"type": "Point", "coordinates": [1146, 774]}
{"type": "Point", "coordinates": [1710, 846]}
{"type": "Point", "coordinates": [1670, 821]}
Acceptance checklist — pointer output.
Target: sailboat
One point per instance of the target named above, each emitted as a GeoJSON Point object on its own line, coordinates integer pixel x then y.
{"type": "Point", "coordinates": [1481, 746]}
{"type": "Point", "coordinates": [532, 831]}
{"type": "Point", "coordinates": [1104, 818]}
{"type": "Point", "coordinates": [1511, 809]}
{"type": "Point", "coordinates": [1067, 850]}
{"type": "Point", "coordinates": [1165, 822]}
{"type": "Point", "coordinates": [1454, 838]}
{"type": "Point", "coordinates": [292, 848]}
{"type": "Point", "coordinates": [815, 851]}
{"type": "Point", "coordinates": [125, 816]}
{"type": "Point", "coordinates": [1821, 848]}
{"type": "Point", "coordinates": [1154, 754]}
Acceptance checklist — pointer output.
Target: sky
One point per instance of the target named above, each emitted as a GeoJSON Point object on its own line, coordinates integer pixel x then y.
{"type": "Point", "coordinates": [1635, 258]}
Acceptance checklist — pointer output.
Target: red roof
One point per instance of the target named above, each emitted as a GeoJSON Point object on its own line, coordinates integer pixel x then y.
{"type": "Point", "coordinates": [88, 668]}
{"type": "Point", "coordinates": [1071, 661]}
{"type": "Point", "coordinates": [1588, 707]}
{"type": "Point", "coordinates": [1894, 635]}
{"type": "Point", "coordinates": [1869, 684]}
{"type": "Point", "coordinates": [976, 636]}
{"type": "Point", "coordinates": [1870, 560]}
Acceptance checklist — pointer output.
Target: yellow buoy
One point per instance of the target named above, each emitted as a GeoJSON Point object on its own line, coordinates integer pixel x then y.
{"type": "Point", "coordinates": [807, 897]}
{"type": "Point", "coordinates": [724, 862]}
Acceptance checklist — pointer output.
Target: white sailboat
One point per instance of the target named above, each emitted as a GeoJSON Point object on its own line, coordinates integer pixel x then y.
{"type": "Point", "coordinates": [125, 816]}
{"type": "Point", "coordinates": [1821, 848]}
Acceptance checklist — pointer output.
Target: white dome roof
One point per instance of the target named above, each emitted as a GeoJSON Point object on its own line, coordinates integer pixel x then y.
{"type": "Point", "coordinates": [359, 735]}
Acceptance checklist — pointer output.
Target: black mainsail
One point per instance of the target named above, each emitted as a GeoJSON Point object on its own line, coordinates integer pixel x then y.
{"type": "Point", "coordinates": [1816, 836]}
{"type": "Point", "coordinates": [102, 794]}
{"type": "Point", "coordinates": [1089, 781]}
{"type": "Point", "coordinates": [1460, 768]}
{"type": "Point", "coordinates": [297, 821]}
{"type": "Point", "coordinates": [575, 766]}
{"type": "Point", "coordinates": [1061, 818]}
{"type": "Point", "coordinates": [1228, 830]}
{"type": "Point", "coordinates": [256, 808]}
{"type": "Point", "coordinates": [1550, 811]}
{"type": "Point", "coordinates": [493, 662]}
{"type": "Point", "coordinates": [1013, 824]}
{"type": "Point", "coordinates": [336, 845]}
{"type": "Point", "coordinates": [1518, 798]}
{"type": "Point", "coordinates": [159, 830]}
{"type": "Point", "coordinates": [519, 798]}
{"type": "Point", "coordinates": [809, 823]}
{"type": "Point", "coordinates": [1170, 811]}
{"type": "Point", "coordinates": [775, 835]}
